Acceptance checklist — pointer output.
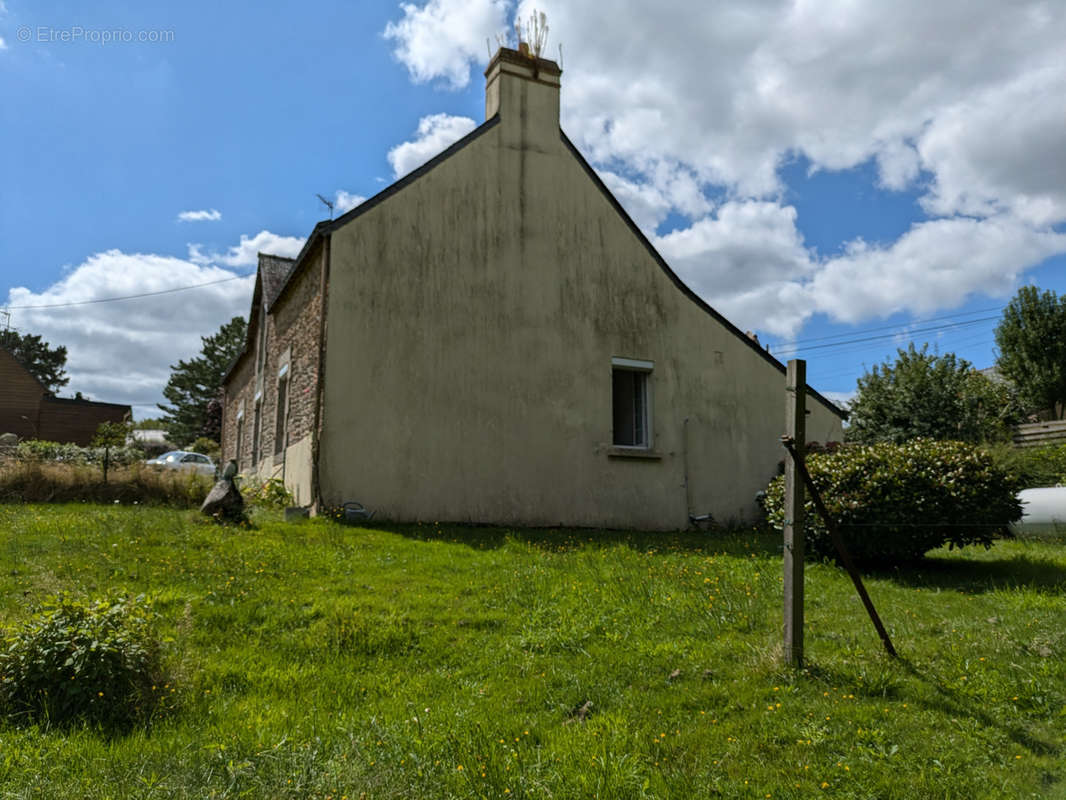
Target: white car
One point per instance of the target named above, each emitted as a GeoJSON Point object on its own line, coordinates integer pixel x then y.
{"type": "Point", "coordinates": [184, 460]}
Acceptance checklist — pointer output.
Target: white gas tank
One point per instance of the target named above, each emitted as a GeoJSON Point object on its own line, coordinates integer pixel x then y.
{"type": "Point", "coordinates": [1043, 511]}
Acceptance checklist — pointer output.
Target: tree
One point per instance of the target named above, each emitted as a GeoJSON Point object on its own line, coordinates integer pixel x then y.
{"type": "Point", "coordinates": [111, 436]}
{"type": "Point", "coordinates": [1031, 339]}
{"type": "Point", "coordinates": [195, 383]}
{"type": "Point", "coordinates": [931, 396]}
{"type": "Point", "coordinates": [44, 362]}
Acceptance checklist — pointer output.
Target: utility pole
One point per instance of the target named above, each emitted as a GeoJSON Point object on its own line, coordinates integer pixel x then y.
{"type": "Point", "coordinates": [796, 427]}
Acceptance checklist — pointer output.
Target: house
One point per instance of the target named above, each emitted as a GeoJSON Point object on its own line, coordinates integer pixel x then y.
{"type": "Point", "coordinates": [30, 411]}
{"type": "Point", "coordinates": [492, 339]}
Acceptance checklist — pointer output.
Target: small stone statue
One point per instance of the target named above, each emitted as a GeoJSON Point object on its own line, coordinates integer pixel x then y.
{"type": "Point", "coordinates": [224, 502]}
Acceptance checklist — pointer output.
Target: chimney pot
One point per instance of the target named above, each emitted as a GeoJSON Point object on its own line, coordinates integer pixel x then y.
{"type": "Point", "coordinates": [518, 83]}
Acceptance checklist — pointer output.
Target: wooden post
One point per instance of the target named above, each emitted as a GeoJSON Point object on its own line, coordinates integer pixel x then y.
{"type": "Point", "coordinates": [838, 542]}
{"type": "Point", "coordinates": [796, 425]}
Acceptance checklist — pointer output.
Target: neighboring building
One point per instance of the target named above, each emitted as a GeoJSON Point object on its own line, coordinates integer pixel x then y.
{"type": "Point", "coordinates": [30, 411]}
{"type": "Point", "coordinates": [492, 339]}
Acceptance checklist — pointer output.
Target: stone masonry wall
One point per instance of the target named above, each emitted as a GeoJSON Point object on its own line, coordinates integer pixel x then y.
{"type": "Point", "coordinates": [292, 333]}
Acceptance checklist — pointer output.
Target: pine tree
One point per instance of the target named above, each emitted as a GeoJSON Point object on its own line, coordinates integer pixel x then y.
{"type": "Point", "coordinates": [43, 361]}
{"type": "Point", "coordinates": [195, 383]}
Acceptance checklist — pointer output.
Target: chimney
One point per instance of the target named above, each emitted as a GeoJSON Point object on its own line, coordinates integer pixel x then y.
{"type": "Point", "coordinates": [521, 87]}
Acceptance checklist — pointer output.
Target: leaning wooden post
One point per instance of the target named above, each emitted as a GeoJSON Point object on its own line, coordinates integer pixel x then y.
{"type": "Point", "coordinates": [796, 425]}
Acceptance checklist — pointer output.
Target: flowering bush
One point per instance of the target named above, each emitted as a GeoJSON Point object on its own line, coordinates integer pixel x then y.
{"type": "Point", "coordinates": [40, 450]}
{"type": "Point", "coordinates": [895, 502]}
{"type": "Point", "coordinates": [270, 493]}
{"type": "Point", "coordinates": [99, 662]}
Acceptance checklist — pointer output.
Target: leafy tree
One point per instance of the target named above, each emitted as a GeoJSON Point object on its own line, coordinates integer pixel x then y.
{"type": "Point", "coordinates": [42, 360]}
{"type": "Point", "coordinates": [111, 436]}
{"type": "Point", "coordinates": [931, 396]}
{"type": "Point", "coordinates": [1031, 339]}
{"type": "Point", "coordinates": [195, 383]}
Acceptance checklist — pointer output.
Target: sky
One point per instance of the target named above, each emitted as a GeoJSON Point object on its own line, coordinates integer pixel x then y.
{"type": "Point", "coordinates": [841, 178]}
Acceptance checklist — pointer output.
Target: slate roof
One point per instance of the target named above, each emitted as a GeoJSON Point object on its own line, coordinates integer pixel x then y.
{"type": "Point", "coordinates": [274, 271]}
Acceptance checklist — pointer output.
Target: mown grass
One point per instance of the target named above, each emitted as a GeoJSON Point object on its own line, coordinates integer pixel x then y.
{"type": "Point", "coordinates": [315, 660]}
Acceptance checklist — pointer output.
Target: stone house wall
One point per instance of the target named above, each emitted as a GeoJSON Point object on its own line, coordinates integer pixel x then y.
{"type": "Point", "coordinates": [292, 341]}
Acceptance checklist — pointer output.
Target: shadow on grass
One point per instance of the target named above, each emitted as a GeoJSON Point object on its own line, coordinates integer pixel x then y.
{"type": "Point", "coordinates": [950, 701]}
{"type": "Point", "coordinates": [943, 699]}
{"type": "Point", "coordinates": [1042, 575]}
{"type": "Point", "coordinates": [731, 541]}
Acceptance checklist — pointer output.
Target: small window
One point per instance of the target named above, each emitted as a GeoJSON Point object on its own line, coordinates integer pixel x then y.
{"type": "Point", "coordinates": [240, 439]}
{"type": "Point", "coordinates": [280, 414]}
{"type": "Point", "coordinates": [255, 432]}
{"type": "Point", "coordinates": [630, 402]}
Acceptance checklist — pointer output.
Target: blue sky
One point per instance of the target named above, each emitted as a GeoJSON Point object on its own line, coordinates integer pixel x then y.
{"type": "Point", "coordinates": [901, 169]}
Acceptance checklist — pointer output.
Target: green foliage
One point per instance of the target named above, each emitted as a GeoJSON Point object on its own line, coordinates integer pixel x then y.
{"type": "Point", "coordinates": [64, 452]}
{"type": "Point", "coordinates": [43, 361]}
{"type": "Point", "coordinates": [323, 660]}
{"type": "Point", "coordinates": [98, 662]}
{"type": "Point", "coordinates": [1033, 467]}
{"type": "Point", "coordinates": [195, 383]}
{"type": "Point", "coordinates": [925, 395]}
{"type": "Point", "coordinates": [894, 503]}
{"type": "Point", "coordinates": [1031, 339]}
{"type": "Point", "coordinates": [270, 493]}
{"type": "Point", "coordinates": [110, 436]}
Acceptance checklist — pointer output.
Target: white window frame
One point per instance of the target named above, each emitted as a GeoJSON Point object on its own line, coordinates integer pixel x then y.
{"type": "Point", "coordinates": [646, 368]}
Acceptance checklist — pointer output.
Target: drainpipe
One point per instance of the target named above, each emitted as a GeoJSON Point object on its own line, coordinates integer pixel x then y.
{"type": "Point", "coordinates": [320, 380]}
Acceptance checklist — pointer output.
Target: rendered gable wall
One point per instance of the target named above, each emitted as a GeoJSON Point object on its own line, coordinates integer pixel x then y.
{"type": "Point", "coordinates": [472, 319]}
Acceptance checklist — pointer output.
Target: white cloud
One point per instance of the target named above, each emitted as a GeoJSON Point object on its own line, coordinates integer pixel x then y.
{"type": "Point", "coordinates": [1002, 148]}
{"type": "Point", "coordinates": [435, 133]}
{"type": "Point", "coordinates": [246, 253]}
{"type": "Point", "coordinates": [643, 202]}
{"type": "Point", "coordinates": [121, 351]}
{"type": "Point", "coordinates": [346, 201]}
{"type": "Point", "coordinates": [749, 261]}
{"type": "Point", "coordinates": [936, 264]}
{"type": "Point", "coordinates": [442, 38]}
{"type": "Point", "coordinates": [956, 100]}
{"type": "Point", "coordinates": [3, 44]}
{"type": "Point", "coordinates": [200, 216]}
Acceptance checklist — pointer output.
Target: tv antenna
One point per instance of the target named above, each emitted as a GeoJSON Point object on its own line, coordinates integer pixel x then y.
{"type": "Point", "coordinates": [326, 203]}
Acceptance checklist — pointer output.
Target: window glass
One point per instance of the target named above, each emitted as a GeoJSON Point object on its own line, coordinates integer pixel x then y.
{"type": "Point", "coordinates": [280, 416]}
{"type": "Point", "coordinates": [629, 392]}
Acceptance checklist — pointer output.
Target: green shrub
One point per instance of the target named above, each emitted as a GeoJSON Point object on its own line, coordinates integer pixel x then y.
{"type": "Point", "coordinates": [1033, 467]}
{"type": "Point", "coordinates": [895, 502]}
{"type": "Point", "coordinates": [41, 450]}
{"type": "Point", "coordinates": [97, 662]}
{"type": "Point", "coordinates": [270, 493]}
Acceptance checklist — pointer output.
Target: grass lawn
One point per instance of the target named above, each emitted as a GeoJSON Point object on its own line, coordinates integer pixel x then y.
{"type": "Point", "coordinates": [315, 660]}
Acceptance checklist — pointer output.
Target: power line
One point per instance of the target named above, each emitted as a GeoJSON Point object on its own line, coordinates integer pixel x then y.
{"type": "Point", "coordinates": [898, 332]}
{"type": "Point", "coordinates": [128, 296]}
{"type": "Point", "coordinates": [792, 344]}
